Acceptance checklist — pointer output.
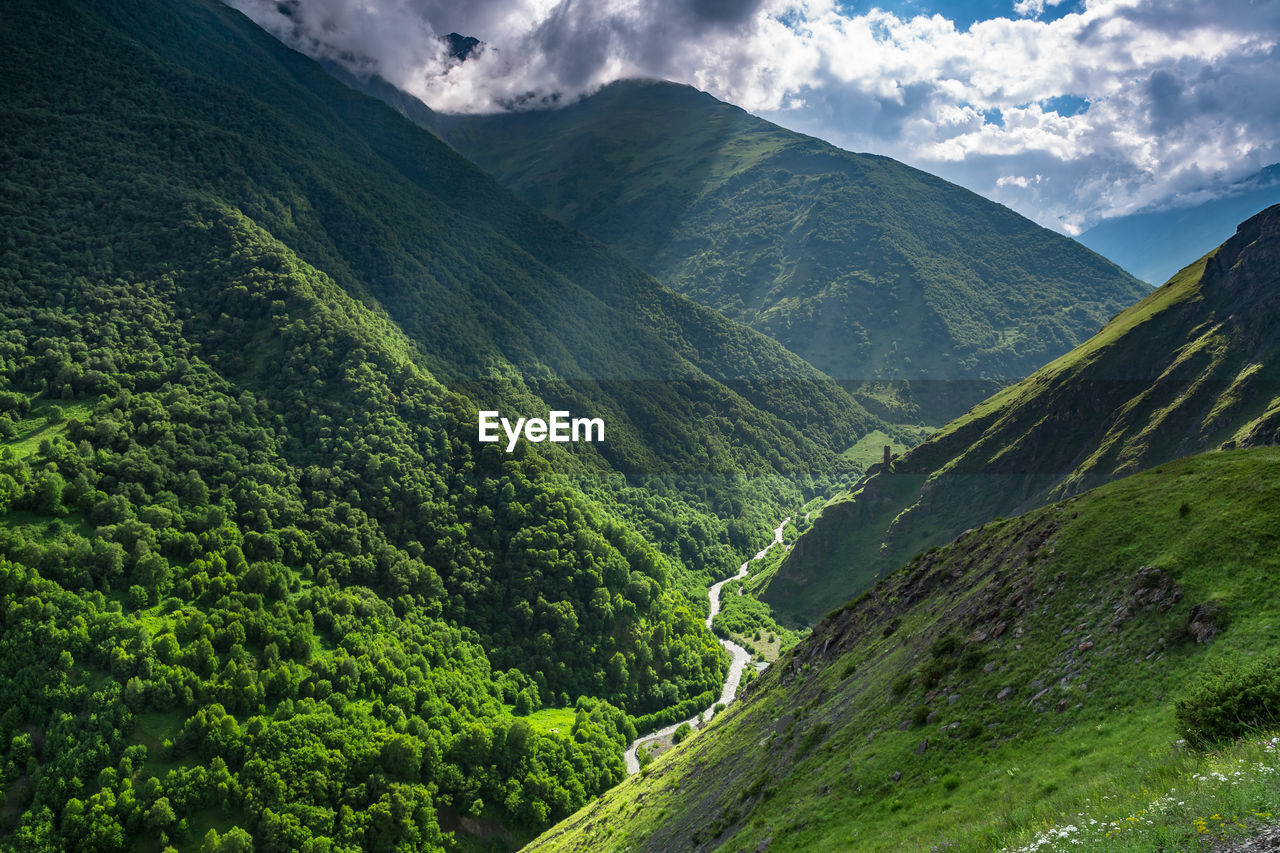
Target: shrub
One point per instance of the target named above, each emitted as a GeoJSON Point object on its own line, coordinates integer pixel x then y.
{"type": "Point", "coordinates": [970, 658]}
{"type": "Point", "coordinates": [934, 670]}
{"type": "Point", "coordinates": [1231, 700]}
{"type": "Point", "coordinates": [812, 737]}
{"type": "Point", "coordinates": [681, 733]}
{"type": "Point", "coordinates": [944, 646]}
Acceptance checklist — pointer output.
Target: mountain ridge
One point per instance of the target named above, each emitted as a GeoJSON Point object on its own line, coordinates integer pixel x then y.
{"type": "Point", "coordinates": [1192, 366]}
{"type": "Point", "coordinates": [1153, 245]}
{"type": "Point", "coordinates": [247, 532]}
{"type": "Point", "coordinates": [870, 270]}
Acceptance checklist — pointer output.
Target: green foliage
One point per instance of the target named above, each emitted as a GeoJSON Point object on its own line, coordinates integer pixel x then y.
{"type": "Point", "coordinates": [682, 731]}
{"type": "Point", "coordinates": [1233, 698]}
{"type": "Point", "coordinates": [259, 580]}
{"type": "Point", "coordinates": [1074, 716]}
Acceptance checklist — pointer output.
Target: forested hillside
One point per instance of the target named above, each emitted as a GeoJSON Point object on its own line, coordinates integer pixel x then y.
{"type": "Point", "coordinates": [1192, 367]}
{"type": "Point", "coordinates": [869, 269]}
{"type": "Point", "coordinates": [260, 580]}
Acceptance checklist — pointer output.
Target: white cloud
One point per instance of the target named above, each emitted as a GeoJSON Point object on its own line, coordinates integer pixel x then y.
{"type": "Point", "coordinates": [1179, 96]}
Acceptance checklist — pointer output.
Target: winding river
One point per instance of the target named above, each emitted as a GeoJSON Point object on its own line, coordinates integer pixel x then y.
{"type": "Point", "coordinates": [740, 659]}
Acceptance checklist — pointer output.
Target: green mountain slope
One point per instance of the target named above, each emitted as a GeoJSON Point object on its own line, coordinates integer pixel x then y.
{"type": "Point", "coordinates": [1154, 246]}
{"type": "Point", "coordinates": [257, 570]}
{"type": "Point", "coordinates": [1193, 366]}
{"type": "Point", "coordinates": [867, 268]}
{"type": "Point", "coordinates": [1024, 677]}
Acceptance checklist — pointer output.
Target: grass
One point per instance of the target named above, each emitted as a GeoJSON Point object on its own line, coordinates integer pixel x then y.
{"type": "Point", "coordinates": [552, 720]}
{"type": "Point", "coordinates": [1169, 376]}
{"type": "Point", "coordinates": [767, 647]}
{"type": "Point", "coordinates": [870, 448]}
{"type": "Point", "coordinates": [35, 428]}
{"type": "Point", "coordinates": [1181, 288]}
{"type": "Point", "coordinates": [1189, 800]}
{"type": "Point", "coordinates": [748, 621]}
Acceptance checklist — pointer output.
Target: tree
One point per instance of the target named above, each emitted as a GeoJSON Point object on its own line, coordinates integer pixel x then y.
{"type": "Point", "coordinates": [160, 816]}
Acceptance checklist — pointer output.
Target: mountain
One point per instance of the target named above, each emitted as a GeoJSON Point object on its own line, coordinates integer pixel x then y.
{"type": "Point", "coordinates": [1154, 246]}
{"type": "Point", "coordinates": [1192, 367]}
{"type": "Point", "coordinates": [1043, 683]}
{"type": "Point", "coordinates": [262, 583]}
{"type": "Point", "coordinates": [460, 47]}
{"type": "Point", "coordinates": [872, 271]}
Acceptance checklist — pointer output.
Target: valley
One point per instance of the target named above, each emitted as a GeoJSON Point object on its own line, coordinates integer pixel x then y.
{"type": "Point", "coordinates": [738, 656]}
{"type": "Point", "coordinates": [380, 478]}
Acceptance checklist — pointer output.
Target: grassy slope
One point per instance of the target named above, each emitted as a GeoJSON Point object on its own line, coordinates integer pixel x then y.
{"type": "Point", "coordinates": [866, 267]}
{"type": "Point", "coordinates": [808, 758]}
{"type": "Point", "coordinates": [1192, 366]}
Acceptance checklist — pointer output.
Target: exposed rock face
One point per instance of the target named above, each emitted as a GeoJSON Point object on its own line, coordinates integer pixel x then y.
{"type": "Point", "coordinates": [460, 47]}
{"type": "Point", "coordinates": [1152, 588]}
{"type": "Point", "coordinates": [1267, 839]}
{"type": "Point", "coordinates": [1203, 622]}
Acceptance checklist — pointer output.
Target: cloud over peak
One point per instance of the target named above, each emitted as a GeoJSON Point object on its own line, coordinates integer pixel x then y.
{"type": "Point", "coordinates": [1167, 98]}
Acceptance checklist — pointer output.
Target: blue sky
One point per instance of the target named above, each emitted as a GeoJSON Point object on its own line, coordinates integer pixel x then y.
{"type": "Point", "coordinates": [1068, 111]}
{"type": "Point", "coordinates": [962, 13]}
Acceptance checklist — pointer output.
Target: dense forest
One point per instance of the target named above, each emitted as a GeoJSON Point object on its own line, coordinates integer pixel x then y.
{"type": "Point", "coordinates": [261, 585]}
{"type": "Point", "coordinates": [178, 546]}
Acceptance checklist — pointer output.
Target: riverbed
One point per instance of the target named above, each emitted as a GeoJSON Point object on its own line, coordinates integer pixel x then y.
{"type": "Point", "coordinates": [740, 657]}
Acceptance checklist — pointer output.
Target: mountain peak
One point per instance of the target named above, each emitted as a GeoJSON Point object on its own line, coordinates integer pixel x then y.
{"type": "Point", "coordinates": [460, 47]}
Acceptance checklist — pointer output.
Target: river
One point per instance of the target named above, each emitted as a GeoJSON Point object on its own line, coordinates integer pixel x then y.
{"type": "Point", "coordinates": [740, 658]}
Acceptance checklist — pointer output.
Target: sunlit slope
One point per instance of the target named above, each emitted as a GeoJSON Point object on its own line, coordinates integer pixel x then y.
{"type": "Point", "coordinates": [1193, 366]}
{"type": "Point", "coordinates": [989, 687]}
{"type": "Point", "coordinates": [247, 533]}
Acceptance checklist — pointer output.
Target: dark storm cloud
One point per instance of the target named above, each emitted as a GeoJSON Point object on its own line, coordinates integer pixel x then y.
{"type": "Point", "coordinates": [1164, 97]}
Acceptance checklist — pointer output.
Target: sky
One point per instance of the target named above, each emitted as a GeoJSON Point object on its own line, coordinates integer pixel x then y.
{"type": "Point", "coordinates": [1068, 111]}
